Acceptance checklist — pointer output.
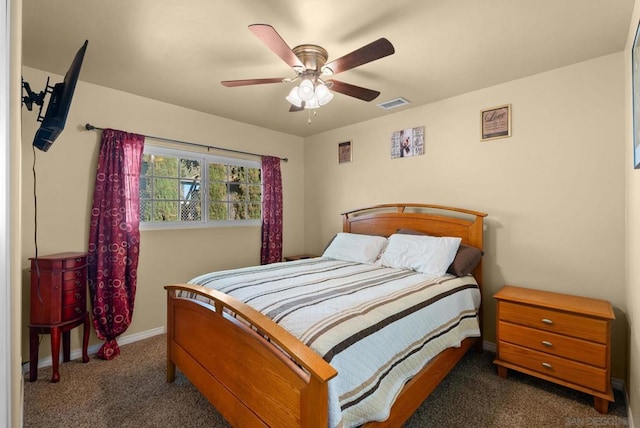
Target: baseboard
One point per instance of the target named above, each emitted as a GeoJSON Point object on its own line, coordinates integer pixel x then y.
{"type": "Point", "coordinates": [92, 350]}
{"type": "Point", "coordinates": [489, 346]}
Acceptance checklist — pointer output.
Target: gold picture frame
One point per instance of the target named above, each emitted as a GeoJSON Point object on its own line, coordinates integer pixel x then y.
{"type": "Point", "coordinates": [495, 122]}
{"type": "Point", "coordinates": [344, 152]}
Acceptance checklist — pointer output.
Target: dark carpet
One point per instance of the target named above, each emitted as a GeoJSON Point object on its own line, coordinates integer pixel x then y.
{"type": "Point", "coordinates": [131, 391]}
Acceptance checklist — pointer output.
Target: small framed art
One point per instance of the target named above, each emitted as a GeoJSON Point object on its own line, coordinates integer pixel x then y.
{"type": "Point", "coordinates": [344, 152]}
{"type": "Point", "coordinates": [495, 122]}
{"type": "Point", "coordinates": [407, 142]}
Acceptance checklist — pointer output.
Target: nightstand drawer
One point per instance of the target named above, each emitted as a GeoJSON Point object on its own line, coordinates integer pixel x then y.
{"type": "Point", "coordinates": [567, 370]}
{"type": "Point", "coordinates": [580, 350]}
{"type": "Point", "coordinates": [75, 274]}
{"type": "Point", "coordinates": [73, 284]}
{"type": "Point", "coordinates": [72, 312]}
{"type": "Point", "coordinates": [75, 262]}
{"type": "Point", "coordinates": [574, 325]}
{"type": "Point", "coordinates": [73, 297]}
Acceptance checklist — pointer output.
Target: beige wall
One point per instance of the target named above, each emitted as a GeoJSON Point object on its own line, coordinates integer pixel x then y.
{"type": "Point", "coordinates": [632, 270]}
{"type": "Point", "coordinates": [66, 173]}
{"type": "Point", "coordinates": [554, 191]}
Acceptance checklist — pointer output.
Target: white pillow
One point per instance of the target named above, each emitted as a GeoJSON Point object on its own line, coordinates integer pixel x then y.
{"type": "Point", "coordinates": [424, 254]}
{"type": "Point", "coordinates": [352, 247]}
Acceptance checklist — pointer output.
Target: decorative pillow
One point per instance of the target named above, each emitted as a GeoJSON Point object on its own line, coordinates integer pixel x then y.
{"type": "Point", "coordinates": [466, 260]}
{"type": "Point", "coordinates": [352, 247]}
{"type": "Point", "coordinates": [424, 254]}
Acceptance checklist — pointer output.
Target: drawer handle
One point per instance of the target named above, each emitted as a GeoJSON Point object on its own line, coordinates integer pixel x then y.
{"type": "Point", "coordinates": [547, 343]}
{"type": "Point", "coordinates": [78, 284]}
{"type": "Point", "coordinates": [79, 311]}
{"type": "Point", "coordinates": [79, 296]}
{"type": "Point", "coordinates": [547, 366]}
{"type": "Point", "coordinates": [547, 321]}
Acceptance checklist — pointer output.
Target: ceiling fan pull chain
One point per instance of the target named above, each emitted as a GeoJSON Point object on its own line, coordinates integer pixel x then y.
{"type": "Point", "coordinates": [314, 115]}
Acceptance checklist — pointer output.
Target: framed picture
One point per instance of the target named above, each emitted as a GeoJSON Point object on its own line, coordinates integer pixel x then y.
{"type": "Point", "coordinates": [496, 122]}
{"type": "Point", "coordinates": [635, 71]}
{"type": "Point", "coordinates": [407, 142]}
{"type": "Point", "coordinates": [344, 152]}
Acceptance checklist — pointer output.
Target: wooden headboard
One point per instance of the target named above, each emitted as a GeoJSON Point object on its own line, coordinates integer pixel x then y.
{"type": "Point", "coordinates": [435, 220]}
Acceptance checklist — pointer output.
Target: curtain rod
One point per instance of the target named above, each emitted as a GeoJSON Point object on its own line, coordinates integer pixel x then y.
{"type": "Point", "coordinates": [90, 127]}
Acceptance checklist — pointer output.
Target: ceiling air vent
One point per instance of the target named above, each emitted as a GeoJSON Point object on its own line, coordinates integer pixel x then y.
{"type": "Point", "coordinates": [396, 102]}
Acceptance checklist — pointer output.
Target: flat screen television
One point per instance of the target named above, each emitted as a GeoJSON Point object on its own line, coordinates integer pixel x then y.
{"type": "Point", "coordinates": [55, 117]}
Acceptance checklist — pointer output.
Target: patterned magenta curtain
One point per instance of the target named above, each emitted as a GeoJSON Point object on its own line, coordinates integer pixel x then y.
{"type": "Point", "coordinates": [271, 211]}
{"type": "Point", "coordinates": [114, 237]}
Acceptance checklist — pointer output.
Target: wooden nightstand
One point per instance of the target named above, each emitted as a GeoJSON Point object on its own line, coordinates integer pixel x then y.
{"type": "Point", "coordinates": [299, 257]}
{"type": "Point", "coordinates": [557, 337]}
{"type": "Point", "coordinates": [58, 305]}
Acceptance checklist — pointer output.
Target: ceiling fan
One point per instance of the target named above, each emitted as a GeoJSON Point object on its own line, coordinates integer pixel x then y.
{"type": "Point", "coordinates": [309, 62]}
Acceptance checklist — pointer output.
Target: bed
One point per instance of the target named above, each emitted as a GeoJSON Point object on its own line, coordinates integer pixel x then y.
{"type": "Point", "coordinates": [257, 373]}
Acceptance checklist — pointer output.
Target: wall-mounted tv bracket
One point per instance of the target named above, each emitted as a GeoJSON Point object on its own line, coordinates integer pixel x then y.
{"type": "Point", "coordinates": [31, 97]}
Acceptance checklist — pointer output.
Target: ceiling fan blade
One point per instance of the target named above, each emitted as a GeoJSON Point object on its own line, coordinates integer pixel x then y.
{"type": "Point", "coordinates": [272, 39]}
{"type": "Point", "coordinates": [371, 52]}
{"type": "Point", "coordinates": [232, 83]}
{"type": "Point", "coordinates": [353, 90]}
{"type": "Point", "coordinates": [295, 108]}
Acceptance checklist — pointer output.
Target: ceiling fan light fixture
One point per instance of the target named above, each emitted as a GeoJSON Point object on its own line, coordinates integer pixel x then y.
{"type": "Point", "coordinates": [312, 103]}
{"type": "Point", "coordinates": [309, 62]}
{"type": "Point", "coordinates": [323, 94]}
{"type": "Point", "coordinates": [309, 95]}
{"type": "Point", "coordinates": [326, 71]}
{"type": "Point", "coordinates": [294, 98]}
{"type": "Point", "coordinates": [306, 90]}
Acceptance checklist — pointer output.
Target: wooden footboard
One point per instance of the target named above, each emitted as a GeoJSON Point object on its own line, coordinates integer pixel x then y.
{"type": "Point", "coordinates": [251, 382]}
{"type": "Point", "coordinates": [230, 360]}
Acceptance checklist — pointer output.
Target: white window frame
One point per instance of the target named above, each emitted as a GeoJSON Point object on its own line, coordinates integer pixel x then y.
{"type": "Point", "coordinates": [204, 158]}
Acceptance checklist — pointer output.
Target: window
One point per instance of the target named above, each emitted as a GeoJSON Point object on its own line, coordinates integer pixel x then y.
{"type": "Point", "coordinates": [186, 189]}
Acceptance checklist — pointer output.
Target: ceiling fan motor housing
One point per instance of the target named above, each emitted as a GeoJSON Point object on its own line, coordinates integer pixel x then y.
{"type": "Point", "coordinates": [313, 57]}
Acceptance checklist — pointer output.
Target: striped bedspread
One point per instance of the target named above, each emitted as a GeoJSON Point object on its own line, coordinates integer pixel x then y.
{"type": "Point", "coordinates": [376, 326]}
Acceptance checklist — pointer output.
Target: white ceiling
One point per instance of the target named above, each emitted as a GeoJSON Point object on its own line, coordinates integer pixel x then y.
{"type": "Point", "coordinates": [178, 51]}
